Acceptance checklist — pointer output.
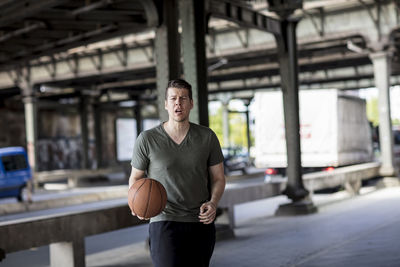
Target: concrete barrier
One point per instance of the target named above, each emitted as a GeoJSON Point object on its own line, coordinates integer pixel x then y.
{"type": "Point", "coordinates": [64, 233]}
{"type": "Point", "coordinates": [73, 176]}
{"type": "Point", "coordinates": [349, 177]}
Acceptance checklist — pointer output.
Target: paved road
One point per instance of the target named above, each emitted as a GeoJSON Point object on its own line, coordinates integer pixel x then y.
{"type": "Point", "coordinates": [127, 247]}
{"type": "Point", "coordinates": [95, 245]}
{"type": "Point", "coordinates": [361, 231]}
{"type": "Point", "coordinates": [265, 240]}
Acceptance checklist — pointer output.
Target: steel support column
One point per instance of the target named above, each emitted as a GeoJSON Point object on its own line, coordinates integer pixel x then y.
{"type": "Point", "coordinates": [382, 70]}
{"type": "Point", "coordinates": [194, 56]}
{"type": "Point", "coordinates": [84, 130]}
{"type": "Point", "coordinates": [247, 103]}
{"type": "Point", "coordinates": [138, 116]}
{"type": "Point", "coordinates": [167, 44]}
{"type": "Point", "coordinates": [97, 133]}
{"type": "Point", "coordinates": [287, 53]}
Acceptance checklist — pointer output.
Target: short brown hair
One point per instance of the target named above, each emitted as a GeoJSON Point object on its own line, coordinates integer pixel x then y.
{"type": "Point", "coordinates": [180, 84]}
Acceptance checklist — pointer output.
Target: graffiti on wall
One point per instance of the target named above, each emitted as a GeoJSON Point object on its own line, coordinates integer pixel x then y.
{"type": "Point", "coordinates": [62, 153]}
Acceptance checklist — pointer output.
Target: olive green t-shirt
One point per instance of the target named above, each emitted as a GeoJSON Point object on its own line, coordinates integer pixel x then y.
{"type": "Point", "coordinates": [182, 169]}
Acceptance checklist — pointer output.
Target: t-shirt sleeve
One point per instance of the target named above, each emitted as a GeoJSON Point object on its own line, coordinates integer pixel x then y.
{"type": "Point", "coordinates": [140, 159]}
{"type": "Point", "coordinates": [216, 155]}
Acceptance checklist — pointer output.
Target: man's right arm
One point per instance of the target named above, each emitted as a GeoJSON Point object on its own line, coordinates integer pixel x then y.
{"type": "Point", "coordinates": [136, 174]}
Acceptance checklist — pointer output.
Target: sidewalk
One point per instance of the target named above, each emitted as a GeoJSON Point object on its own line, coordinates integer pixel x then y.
{"type": "Point", "coordinates": [360, 231]}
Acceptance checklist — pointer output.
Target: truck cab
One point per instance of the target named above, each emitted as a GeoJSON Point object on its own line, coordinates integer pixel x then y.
{"type": "Point", "coordinates": [14, 172]}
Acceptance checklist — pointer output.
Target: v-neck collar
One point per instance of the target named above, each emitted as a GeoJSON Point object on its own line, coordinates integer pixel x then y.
{"type": "Point", "coordinates": [172, 140]}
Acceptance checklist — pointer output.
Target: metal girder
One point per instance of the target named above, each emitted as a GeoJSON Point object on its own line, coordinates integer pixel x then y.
{"type": "Point", "coordinates": [255, 86]}
{"type": "Point", "coordinates": [90, 7]}
{"type": "Point", "coordinates": [375, 18]}
{"type": "Point", "coordinates": [97, 60]}
{"type": "Point", "coordinates": [310, 52]}
{"type": "Point", "coordinates": [19, 10]}
{"type": "Point", "coordinates": [152, 13]}
{"type": "Point", "coordinates": [167, 51]}
{"type": "Point", "coordinates": [194, 56]}
{"type": "Point", "coordinates": [243, 16]}
{"type": "Point", "coordinates": [321, 27]}
{"type": "Point", "coordinates": [51, 68]}
{"type": "Point", "coordinates": [24, 30]}
{"type": "Point", "coordinates": [248, 64]}
{"type": "Point", "coordinates": [31, 29]}
{"type": "Point", "coordinates": [123, 55]}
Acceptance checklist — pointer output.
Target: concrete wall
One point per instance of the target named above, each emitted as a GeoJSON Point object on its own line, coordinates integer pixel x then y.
{"type": "Point", "coordinates": [59, 135]}
{"type": "Point", "coordinates": [12, 123]}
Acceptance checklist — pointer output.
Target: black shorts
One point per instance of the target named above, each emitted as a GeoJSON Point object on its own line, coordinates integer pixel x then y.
{"type": "Point", "coordinates": [176, 244]}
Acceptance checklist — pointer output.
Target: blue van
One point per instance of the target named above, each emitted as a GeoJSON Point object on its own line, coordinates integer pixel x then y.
{"type": "Point", "coordinates": [14, 172]}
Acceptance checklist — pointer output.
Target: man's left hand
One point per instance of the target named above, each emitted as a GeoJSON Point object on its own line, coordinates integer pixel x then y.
{"type": "Point", "coordinates": [207, 212]}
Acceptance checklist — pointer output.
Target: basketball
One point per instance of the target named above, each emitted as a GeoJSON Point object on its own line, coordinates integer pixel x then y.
{"type": "Point", "coordinates": [147, 197]}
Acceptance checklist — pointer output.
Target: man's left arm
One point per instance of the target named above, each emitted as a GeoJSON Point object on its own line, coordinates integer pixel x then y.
{"type": "Point", "coordinates": [209, 209]}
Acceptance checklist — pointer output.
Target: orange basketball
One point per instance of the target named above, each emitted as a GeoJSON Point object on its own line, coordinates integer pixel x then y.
{"type": "Point", "coordinates": [147, 197]}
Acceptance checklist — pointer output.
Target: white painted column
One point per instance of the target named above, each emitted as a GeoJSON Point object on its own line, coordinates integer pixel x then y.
{"type": "Point", "coordinates": [68, 254]}
{"type": "Point", "coordinates": [381, 62]}
{"type": "Point", "coordinates": [31, 130]}
{"type": "Point", "coordinates": [225, 98]}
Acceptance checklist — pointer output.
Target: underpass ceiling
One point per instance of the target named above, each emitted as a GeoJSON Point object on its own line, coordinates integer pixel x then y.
{"type": "Point", "coordinates": [37, 32]}
{"type": "Point", "coordinates": [31, 29]}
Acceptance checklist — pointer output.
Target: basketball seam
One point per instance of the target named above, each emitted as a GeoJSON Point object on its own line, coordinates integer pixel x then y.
{"type": "Point", "coordinates": [134, 196]}
{"type": "Point", "coordinates": [148, 199]}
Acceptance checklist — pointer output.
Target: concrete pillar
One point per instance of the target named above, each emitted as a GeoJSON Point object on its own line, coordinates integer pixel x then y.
{"type": "Point", "coordinates": [287, 54]}
{"type": "Point", "coordinates": [30, 105]}
{"type": "Point", "coordinates": [167, 45]}
{"type": "Point", "coordinates": [381, 62]}
{"type": "Point", "coordinates": [83, 109]}
{"type": "Point", "coordinates": [194, 56]}
{"type": "Point", "coordinates": [68, 254]}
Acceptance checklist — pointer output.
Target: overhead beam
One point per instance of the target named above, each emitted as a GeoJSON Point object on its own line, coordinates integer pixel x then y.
{"type": "Point", "coordinates": [25, 9]}
{"type": "Point", "coordinates": [243, 16]}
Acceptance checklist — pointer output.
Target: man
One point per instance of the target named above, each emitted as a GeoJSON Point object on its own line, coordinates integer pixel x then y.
{"type": "Point", "coordinates": [187, 159]}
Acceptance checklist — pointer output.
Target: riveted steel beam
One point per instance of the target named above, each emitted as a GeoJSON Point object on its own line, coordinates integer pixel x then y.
{"type": "Point", "coordinates": [243, 16]}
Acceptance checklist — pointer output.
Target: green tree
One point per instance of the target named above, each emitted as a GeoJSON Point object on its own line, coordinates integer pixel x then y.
{"type": "Point", "coordinates": [216, 124]}
{"type": "Point", "coordinates": [237, 129]}
{"type": "Point", "coordinates": [372, 111]}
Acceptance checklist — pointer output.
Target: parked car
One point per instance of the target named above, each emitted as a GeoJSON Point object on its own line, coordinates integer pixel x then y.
{"type": "Point", "coordinates": [14, 172]}
{"type": "Point", "coordinates": [235, 159]}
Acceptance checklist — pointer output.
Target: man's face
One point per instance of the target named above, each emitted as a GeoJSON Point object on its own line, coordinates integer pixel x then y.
{"type": "Point", "coordinates": [178, 104]}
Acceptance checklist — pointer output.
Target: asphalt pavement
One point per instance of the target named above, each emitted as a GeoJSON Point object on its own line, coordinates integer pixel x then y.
{"type": "Point", "coordinates": [361, 230]}
{"type": "Point", "coordinates": [357, 231]}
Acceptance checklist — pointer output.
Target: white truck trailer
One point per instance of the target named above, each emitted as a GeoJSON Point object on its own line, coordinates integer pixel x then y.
{"type": "Point", "coordinates": [334, 130]}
